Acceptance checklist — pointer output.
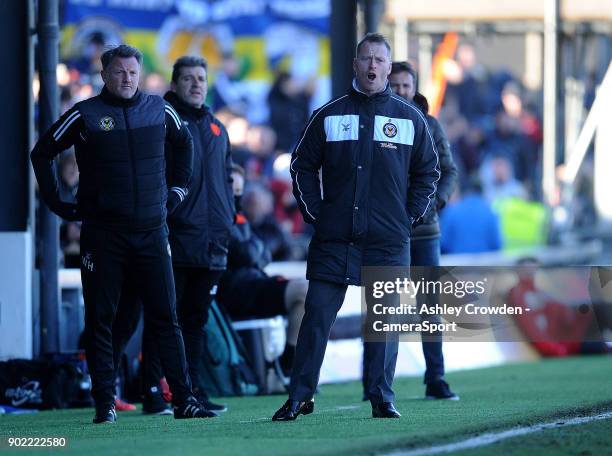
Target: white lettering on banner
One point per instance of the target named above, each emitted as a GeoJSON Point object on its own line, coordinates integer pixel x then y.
{"type": "Point", "coordinates": [147, 5]}
{"type": "Point", "coordinates": [342, 128]}
{"type": "Point", "coordinates": [390, 129]}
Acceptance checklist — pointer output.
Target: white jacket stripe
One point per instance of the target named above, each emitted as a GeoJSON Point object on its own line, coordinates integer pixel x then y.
{"type": "Point", "coordinates": [64, 126]}
{"type": "Point", "coordinates": [433, 144]}
{"type": "Point", "coordinates": [181, 192]}
{"type": "Point", "coordinates": [297, 183]}
{"type": "Point", "coordinates": [175, 116]}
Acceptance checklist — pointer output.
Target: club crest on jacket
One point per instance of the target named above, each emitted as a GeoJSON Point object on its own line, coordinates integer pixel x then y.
{"type": "Point", "coordinates": [107, 123]}
{"type": "Point", "coordinates": [390, 129]}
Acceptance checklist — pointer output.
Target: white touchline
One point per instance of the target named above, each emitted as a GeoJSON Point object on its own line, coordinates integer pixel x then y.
{"type": "Point", "coordinates": [492, 437]}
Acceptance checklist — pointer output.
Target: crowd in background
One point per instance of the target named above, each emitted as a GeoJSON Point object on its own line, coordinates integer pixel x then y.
{"type": "Point", "coordinates": [493, 124]}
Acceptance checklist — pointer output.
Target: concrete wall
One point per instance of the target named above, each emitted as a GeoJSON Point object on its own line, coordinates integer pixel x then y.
{"type": "Point", "coordinates": [15, 295]}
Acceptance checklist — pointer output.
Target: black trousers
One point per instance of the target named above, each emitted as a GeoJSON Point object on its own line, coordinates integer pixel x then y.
{"type": "Point", "coordinates": [107, 259]}
{"type": "Point", "coordinates": [195, 288]}
{"type": "Point", "coordinates": [323, 301]}
{"type": "Point", "coordinates": [426, 253]}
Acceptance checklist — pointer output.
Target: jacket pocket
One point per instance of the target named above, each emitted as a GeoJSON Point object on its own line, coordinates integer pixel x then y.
{"type": "Point", "coordinates": [217, 254]}
{"type": "Point", "coordinates": [333, 223]}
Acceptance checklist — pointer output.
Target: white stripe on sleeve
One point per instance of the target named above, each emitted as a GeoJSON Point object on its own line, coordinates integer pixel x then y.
{"type": "Point", "coordinates": [174, 115]}
{"type": "Point", "coordinates": [297, 182]}
{"type": "Point", "coordinates": [433, 144]}
{"type": "Point", "coordinates": [65, 125]}
{"type": "Point", "coordinates": [181, 192]}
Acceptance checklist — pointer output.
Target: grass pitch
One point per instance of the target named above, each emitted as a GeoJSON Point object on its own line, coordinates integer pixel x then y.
{"type": "Point", "coordinates": [492, 399]}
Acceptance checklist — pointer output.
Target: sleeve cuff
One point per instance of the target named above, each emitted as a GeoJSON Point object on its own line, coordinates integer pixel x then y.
{"type": "Point", "coordinates": [181, 192]}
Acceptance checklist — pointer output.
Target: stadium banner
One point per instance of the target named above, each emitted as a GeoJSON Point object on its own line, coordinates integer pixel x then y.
{"type": "Point", "coordinates": [262, 35]}
{"type": "Point", "coordinates": [559, 310]}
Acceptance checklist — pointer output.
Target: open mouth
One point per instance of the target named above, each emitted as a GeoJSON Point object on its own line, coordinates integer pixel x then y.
{"type": "Point", "coordinates": [371, 76]}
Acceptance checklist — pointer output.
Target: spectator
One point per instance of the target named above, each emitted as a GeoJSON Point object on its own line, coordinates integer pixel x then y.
{"type": "Point", "coordinates": [468, 147]}
{"type": "Point", "coordinates": [467, 82]}
{"type": "Point", "coordinates": [507, 139]}
{"type": "Point", "coordinates": [155, 84]}
{"type": "Point", "coordinates": [259, 209]}
{"type": "Point", "coordinates": [246, 291]}
{"type": "Point", "coordinates": [498, 181]}
{"type": "Point", "coordinates": [523, 223]}
{"type": "Point", "coordinates": [261, 144]}
{"type": "Point", "coordinates": [226, 91]}
{"type": "Point", "coordinates": [469, 225]}
{"type": "Point", "coordinates": [289, 109]}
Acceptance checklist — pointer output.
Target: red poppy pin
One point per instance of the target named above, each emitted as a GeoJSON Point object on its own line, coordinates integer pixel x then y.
{"type": "Point", "coordinates": [215, 129]}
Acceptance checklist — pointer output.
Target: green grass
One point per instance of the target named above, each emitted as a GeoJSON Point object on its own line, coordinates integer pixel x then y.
{"type": "Point", "coordinates": [491, 399]}
{"type": "Point", "coordinates": [585, 440]}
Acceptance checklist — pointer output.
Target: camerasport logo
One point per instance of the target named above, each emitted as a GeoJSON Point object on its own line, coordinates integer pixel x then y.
{"type": "Point", "coordinates": [28, 393]}
{"type": "Point", "coordinates": [107, 123]}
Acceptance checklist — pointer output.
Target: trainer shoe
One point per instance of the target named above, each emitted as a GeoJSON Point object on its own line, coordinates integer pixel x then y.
{"type": "Point", "coordinates": [208, 405]}
{"type": "Point", "coordinates": [203, 399]}
{"type": "Point", "coordinates": [192, 409]}
{"type": "Point", "coordinates": [105, 414]}
{"type": "Point", "coordinates": [440, 390]}
{"type": "Point", "coordinates": [153, 404]}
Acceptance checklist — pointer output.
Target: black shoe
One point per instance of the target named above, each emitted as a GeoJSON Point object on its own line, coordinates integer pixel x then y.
{"type": "Point", "coordinates": [154, 404]}
{"type": "Point", "coordinates": [440, 390]}
{"type": "Point", "coordinates": [291, 409]}
{"type": "Point", "coordinates": [192, 409]}
{"type": "Point", "coordinates": [105, 414]}
{"type": "Point", "coordinates": [208, 405]}
{"type": "Point", "coordinates": [203, 399]}
{"type": "Point", "coordinates": [385, 410]}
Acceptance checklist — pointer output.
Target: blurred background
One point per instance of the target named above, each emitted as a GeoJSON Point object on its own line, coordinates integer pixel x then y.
{"type": "Point", "coordinates": [523, 90]}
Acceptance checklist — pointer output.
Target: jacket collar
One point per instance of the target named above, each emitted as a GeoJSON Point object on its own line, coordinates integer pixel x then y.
{"type": "Point", "coordinates": [183, 108]}
{"type": "Point", "coordinates": [380, 96]}
{"type": "Point", "coordinates": [117, 101]}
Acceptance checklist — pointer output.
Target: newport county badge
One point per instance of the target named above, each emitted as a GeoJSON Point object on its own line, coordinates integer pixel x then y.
{"type": "Point", "coordinates": [107, 123]}
{"type": "Point", "coordinates": [389, 129]}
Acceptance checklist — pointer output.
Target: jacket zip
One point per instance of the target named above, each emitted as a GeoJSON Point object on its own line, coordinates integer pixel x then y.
{"type": "Point", "coordinates": [133, 160]}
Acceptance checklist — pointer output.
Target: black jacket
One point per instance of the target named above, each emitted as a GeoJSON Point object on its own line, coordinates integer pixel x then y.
{"type": "Point", "coordinates": [200, 226]}
{"type": "Point", "coordinates": [430, 228]}
{"type": "Point", "coordinates": [247, 258]}
{"type": "Point", "coordinates": [245, 275]}
{"type": "Point", "coordinates": [379, 169]}
{"type": "Point", "coordinates": [119, 147]}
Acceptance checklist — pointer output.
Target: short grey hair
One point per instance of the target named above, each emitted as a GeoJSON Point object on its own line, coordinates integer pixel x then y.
{"type": "Point", "coordinates": [189, 61]}
{"type": "Point", "coordinates": [121, 51]}
{"type": "Point", "coordinates": [373, 38]}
